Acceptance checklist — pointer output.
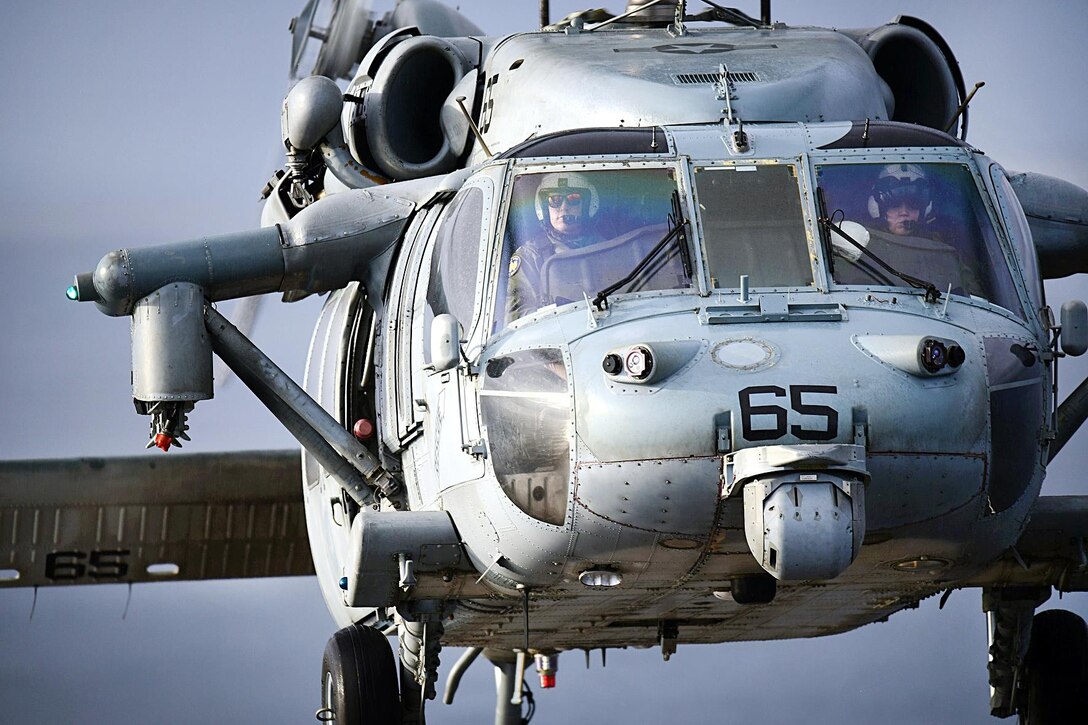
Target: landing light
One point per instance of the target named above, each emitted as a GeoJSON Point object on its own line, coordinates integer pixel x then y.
{"type": "Point", "coordinates": [9, 575]}
{"type": "Point", "coordinates": [600, 578]}
{"type": "Point", "coordinates": [163, 569]}
{"type": "Point", "coordinates": [923, 564]}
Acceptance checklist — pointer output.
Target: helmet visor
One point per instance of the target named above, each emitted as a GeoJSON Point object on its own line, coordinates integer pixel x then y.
{"type": "Point", "coordinates": [557, 197]}
{"type": "Point", "coordinates": [892, 191]}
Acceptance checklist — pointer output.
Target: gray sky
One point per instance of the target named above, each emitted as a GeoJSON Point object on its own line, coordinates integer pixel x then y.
{"type": "Point", "coordinates": [129, 123]}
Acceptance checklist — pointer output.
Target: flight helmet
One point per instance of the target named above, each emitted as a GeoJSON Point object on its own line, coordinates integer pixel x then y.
{"type": "Point", "coordinates": [566, 187]}
{"type": "Point", "coordinates": [897, 183]}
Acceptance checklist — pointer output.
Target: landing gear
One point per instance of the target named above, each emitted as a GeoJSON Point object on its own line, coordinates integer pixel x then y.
{"type": "Point", "coordinates": [1055, 680]}
{"type": "Point", "coordinates": [359, 679]}
{"type": "Point", "coordinates": [1038, 664]}
{"type": "Point", "coordinates": [507, 692]}
{"type": "Point", "coordinates": [420, 644]}
{"type": "Point", "coordinates": [1009, 616]}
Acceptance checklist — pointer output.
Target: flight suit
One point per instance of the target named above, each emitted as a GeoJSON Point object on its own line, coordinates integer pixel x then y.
{"type": "Point", "coordinates": [526, 293]}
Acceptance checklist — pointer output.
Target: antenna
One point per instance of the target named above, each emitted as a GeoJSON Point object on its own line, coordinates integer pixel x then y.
{"type": "Point", "coordinates": [472, 124]}
{"type": "Point", "coordinates": [962, 110]}
{"type": "Point", "coordinates": [725, 91]}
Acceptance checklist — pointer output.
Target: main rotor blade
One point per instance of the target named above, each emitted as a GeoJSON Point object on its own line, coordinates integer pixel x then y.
{"type": "Point", "coordinates": [245, 314]}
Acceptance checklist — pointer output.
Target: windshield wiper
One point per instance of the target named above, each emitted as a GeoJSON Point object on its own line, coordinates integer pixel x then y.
{"type": "Point", "coordinates": [932, 294]}
{"type": "Point", "coordinates": [825, 231]}
{"type": "Point", "coordinates": [677, 224]}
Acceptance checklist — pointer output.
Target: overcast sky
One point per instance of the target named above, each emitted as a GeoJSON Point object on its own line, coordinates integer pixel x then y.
{"type": "Point", "coordinates": [129, 123]}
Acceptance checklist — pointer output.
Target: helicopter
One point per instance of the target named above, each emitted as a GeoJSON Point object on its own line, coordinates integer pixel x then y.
{"type": "Point", "coordinates": [779, 409]}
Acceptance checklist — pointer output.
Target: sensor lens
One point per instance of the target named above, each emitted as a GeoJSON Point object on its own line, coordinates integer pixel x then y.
{"type": "Point", "coordinates": [934, 355]}
{"type": "Point", "coordinates": [639, 363]}
{"type": "Point", "coordinates": [956, 355]}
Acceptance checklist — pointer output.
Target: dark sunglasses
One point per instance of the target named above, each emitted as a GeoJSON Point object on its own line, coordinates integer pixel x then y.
{"type": "Point", "coordinates": [573, 198]}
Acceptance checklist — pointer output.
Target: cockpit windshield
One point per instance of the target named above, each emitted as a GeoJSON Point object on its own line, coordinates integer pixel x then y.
{"type": "Point", "coordinates": [924, 220]}
{"type": "Point", "coordinates": [570, 234]}
{"type": "Point", "coordinates": [753, 226]}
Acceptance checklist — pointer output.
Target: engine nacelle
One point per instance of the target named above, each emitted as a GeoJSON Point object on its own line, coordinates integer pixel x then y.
{"type": "Point", "coordinates": [392, 117]}
{"type": "Point", "coordinates": [922, 74]}
{"type": "Point", "coordinates": [1057, 212]}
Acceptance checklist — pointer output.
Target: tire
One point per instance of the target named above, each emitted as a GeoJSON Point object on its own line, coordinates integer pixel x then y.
{"type": "Point", "coordinates": [1056, 672]}
{"type": "Point", "coordinates": [359, 679]}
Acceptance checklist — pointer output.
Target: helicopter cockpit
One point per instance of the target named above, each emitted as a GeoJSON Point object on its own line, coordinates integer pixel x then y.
{"type": "Point", "coordinates": [544, 261]}
{"type": "Point", "coordinates": [783, 224]}
{"type": "Point", "coordinates": [570, 234]}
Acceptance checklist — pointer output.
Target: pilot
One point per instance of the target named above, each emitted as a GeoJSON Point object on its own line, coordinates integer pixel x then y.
{"type": "Point", "coordinates": [901, 207]}
{"type": "Point", "coordinates": [566, 207]}
{"type": "Point", "coordinates": [901, 199]}
{"type": "Point", "coordinates": [906, 233]}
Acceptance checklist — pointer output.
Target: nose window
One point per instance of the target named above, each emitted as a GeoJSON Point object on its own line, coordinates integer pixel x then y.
{"type": "Point", "coordinates": [526, 406]}
{"type": "Point", "coordinates": [753, 225]}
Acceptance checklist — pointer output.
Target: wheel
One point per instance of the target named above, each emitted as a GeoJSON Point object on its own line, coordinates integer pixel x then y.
{"type": "Point", "coordinates": [1056, 672]}
{"type": "Point", "coordinates": [359, 679]}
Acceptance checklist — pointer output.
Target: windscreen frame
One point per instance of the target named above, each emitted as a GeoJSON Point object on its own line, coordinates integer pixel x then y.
{"type": "Point", "coordinates": [801, 170]}
{"type": "Point", "coordinates": [1020, 311]}
{"type": "Point", "coordinates": [498, 272]}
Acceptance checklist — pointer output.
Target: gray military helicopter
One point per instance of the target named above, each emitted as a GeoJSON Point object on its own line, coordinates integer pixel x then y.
{"type": "Point", "coordinates": [578, 406]}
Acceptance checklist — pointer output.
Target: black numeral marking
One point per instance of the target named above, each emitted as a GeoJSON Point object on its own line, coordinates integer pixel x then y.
{"type": "Point", "coordinates": [100, 564]}
{"type": "Point", "coordinates": [830, 415]}
{"type": "Point", "coordinates": [747, 410]}
{"type": "Point", "coordinates": [767, 410]}
{"type": "Point", "coordinates": [65, 565]}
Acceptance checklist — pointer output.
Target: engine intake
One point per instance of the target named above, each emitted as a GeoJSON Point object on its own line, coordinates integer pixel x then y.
{"type": "Point", "coordinates": [392, 120]}
{"type": "Point", "coordinates": [921, 72]}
